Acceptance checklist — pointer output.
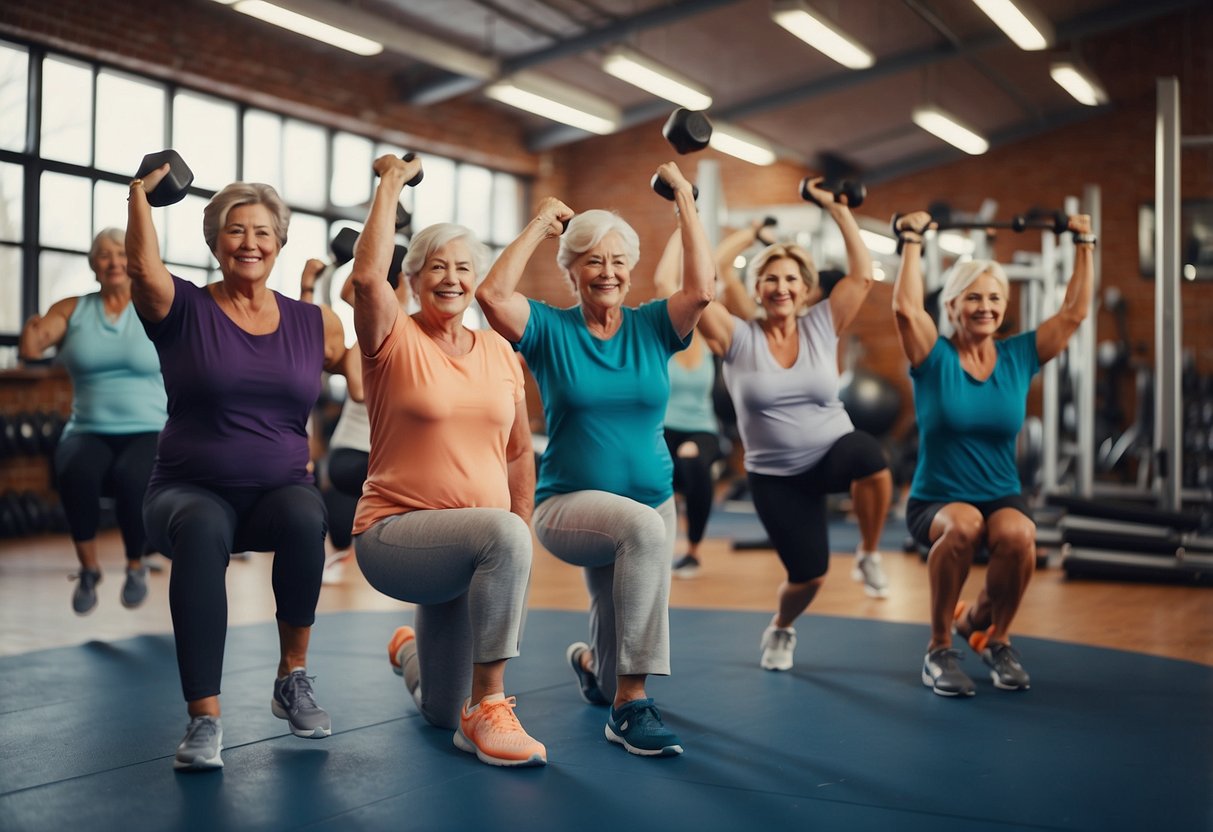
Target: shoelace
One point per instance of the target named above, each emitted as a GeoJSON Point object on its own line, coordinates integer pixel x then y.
{"type": "Point", "coordinates": [781, 639]}
{"type": "Point", "coordinates": [298, 690]}
{"type": "Point", "coordinates": [201, 729]}
{"type": "Point", "coordinates": [645, 716]}
{"type": "Point", "coordinates": [500, 714]}
{"type": "Point", "coordinates": [1004, 649]}
{"type": "Point", "coordinates": [86, 577]}
{"type": "Point", "coordinates": [950, 653]}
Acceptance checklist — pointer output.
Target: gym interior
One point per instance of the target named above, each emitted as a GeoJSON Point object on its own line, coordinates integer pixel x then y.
{"type": "Point", "coordinates": [1115, 458]}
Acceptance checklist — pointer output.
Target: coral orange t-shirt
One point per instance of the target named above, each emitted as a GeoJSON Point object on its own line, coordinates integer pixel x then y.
{"type": "Point", "coordinates": [439, 424]}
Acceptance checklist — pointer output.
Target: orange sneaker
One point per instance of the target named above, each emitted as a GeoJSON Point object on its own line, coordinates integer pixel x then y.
{"type": "Point", "coordinates": [400, 638]}
{"type": "Point", "coordinates": [977, 639]}
{"type": "Point", "coordinates": [494, 734]}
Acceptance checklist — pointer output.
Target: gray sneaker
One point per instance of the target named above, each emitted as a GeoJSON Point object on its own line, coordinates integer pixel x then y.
{"type": "Point", "coordinates": [200, 748]}
{"type": "Point", "coordinates": [778, 643]}
{"type": "Point", "coordinates": [84, 598]}
{"type": "Point", "coordinates": [134, 590]}
{"type": "Point", "coordinates": [870, 573]}
{"type": "Point", "coordinates": [294, 701]}
{"type": "Point", "coordinates": [941, 672]}
{"type": "Point", "coordinates": [1005, 668]}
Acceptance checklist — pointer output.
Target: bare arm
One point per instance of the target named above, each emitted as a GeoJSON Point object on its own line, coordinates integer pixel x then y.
{"type": "Point", "coordinates": [1053, 334]}
{"type": "Point", "coordinates": [505, 308]}
{"type": "Point", "coordinates": [40, 333]}
{"type": "Point", "coordinates": [520, 464]}
{"type": "Point", "coordinates": [850, 292]}
{"type": "Point", "coordinates": [668, 273]}
{"type": "Point", "coordinates": [698, 287]}
{"type": "Point", "coordinates": [375, 304]}
{"type": "Point", "coordinates": [152, 289]}
{"type": "Point", "coordinates": [334, 341]}
{"type": "Point", "coordinates": [914, 326]}
{"type": "Point", "coordinates": [736, 299]}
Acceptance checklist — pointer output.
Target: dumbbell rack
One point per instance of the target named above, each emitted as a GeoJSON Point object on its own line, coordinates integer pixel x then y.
{"type": "Point", "coordinates": [36, 403]}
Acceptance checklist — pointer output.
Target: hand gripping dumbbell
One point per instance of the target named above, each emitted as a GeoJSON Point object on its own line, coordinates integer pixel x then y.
{"type": "Point", "coordinates": [855, 192]}
{"type": "Point", "coordinates": [176, 183]}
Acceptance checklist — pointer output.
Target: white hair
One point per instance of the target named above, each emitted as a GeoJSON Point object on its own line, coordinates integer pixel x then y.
{"type": "Point", "coordinates": [434, 237]}
{"type": "Point", "coordinates": [588, 228]}
{"type": "Point", "coordinates": [959, 278]}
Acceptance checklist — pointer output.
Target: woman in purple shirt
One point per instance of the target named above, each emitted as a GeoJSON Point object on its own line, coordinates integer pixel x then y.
{"type": "Point", "coordinates": [241, 367]}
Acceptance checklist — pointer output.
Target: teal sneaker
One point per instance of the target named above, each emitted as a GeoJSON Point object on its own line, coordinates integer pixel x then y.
{"type": "Point", "coordinates": [586, 680]}
{"type": "Point", "coordinates": [637, 726]}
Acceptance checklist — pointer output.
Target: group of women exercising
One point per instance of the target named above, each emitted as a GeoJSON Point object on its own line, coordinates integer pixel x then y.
{"type": "Point", "coordinates": [451, 493]}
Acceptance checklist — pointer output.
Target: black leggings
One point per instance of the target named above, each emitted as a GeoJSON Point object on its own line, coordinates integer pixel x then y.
{"type": "Point", "coordinates": [793, 509]}
{"type": "Point", "coordinates": [693, 477]}
{"type": "Point", "coordinates": [91, 465]}
{"type": "Point", "coordinates": [199, 528]}
{"type": "Point", "coordinates": [347, 472]}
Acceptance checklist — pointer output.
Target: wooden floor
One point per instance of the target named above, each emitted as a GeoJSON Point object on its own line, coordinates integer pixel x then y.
{"type": "Point", "coordinates": [1159, 619]}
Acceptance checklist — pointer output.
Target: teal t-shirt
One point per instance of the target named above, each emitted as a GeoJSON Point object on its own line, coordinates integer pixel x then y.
{"type": "Point", "coordinates": [603, 401]}
{"type": "Point", "coordinates": [117, 387]}
{"type": "Point", "coordinates": [967, 428]}
{"type": "Point", "coordinates": [690, 409]}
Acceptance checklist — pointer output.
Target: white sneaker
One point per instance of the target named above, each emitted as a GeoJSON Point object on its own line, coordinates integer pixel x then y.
{"type": "Point", "coordinates": [334, 569]}
{"type": "Point", "coordinates": [777, 646]}
{"type": "Point", "coordinates": [869, 572]}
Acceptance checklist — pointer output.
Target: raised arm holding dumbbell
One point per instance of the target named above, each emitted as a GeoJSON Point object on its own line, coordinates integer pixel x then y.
{"type": "Point", "coordinates": [242, 366]}
{"type": "Point", "coordinates": [970, 392]}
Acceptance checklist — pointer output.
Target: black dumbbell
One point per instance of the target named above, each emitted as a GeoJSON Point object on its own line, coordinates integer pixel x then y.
{"type": "Point", "coordinates": [176, 183]}
{"type": "Point", "coordinates": [1055, 221]}
{"type": "Point", "coordinates": [342, 246]}
{"type": "Point", "coordinates": [6, 436]}
{"type": "Point", "coordinates": [27, 434]}
{"type": "Point", "coordinates": [687, 131]}
{"type": "Point", "coordinates": [663, 189]}
{"type": "Point", "coordinates": [34, 511]}
{"type": "Point", "coordinates": [412, 183]}
{"type": "Point", "coordinates": [403, 218]}
{"type": "Point", "coordinates": [767, 222]}
{"type": "Point", "coordinates": [393, 272]}
{"type": "Point", "coordinates": [855, 192]}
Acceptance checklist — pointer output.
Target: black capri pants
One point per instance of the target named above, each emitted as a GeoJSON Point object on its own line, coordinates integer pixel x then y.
{"type": "Point", "coordinates": [793, 509]}
{"type": "Point", "coordinates": [693, 477]}
{"type": "Point", "coordinates": [347, 469]}
{"type": "Point", "coordinates": [199, 528]}
{"type": "Point", "coordinates": [90, 465]}
{"type": "Point", "coordinates": [921, 513]}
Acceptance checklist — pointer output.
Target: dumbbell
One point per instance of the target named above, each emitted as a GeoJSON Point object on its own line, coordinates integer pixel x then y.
{"type": "Point", "coordinates": [175, 185]}
{"type": "Point", "coordinates": [687, 131]}
{"type": "Point", "coordinates": [393, 272]}
{"type": "Point", "coordinates": [855, 192]}
{"type": "Point", "coordinates": [663, 189]}
{"type": "Point", "coordinates": [27, 434]}
{"type": "Point", "coordinates": [1055, 221]}
{"type": "Point", "coordinates": [767, 222]}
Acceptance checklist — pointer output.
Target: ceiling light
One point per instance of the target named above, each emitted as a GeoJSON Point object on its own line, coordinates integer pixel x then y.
{"type": "Point", "coordinates": [1029, 29]}
{"type": "Point", "coordinates": [954, 242]}
{"type": "Point", "coordinates": [935, 121]}
{"type": "Point", "coordinates": [811, 27]}
{"type": "Point", "coordinates": [879, 243]}
{"type": "Point", "coordinates": [308, 27]}
{"type": "Point", "coordinates": [742, 144]}
{"type": "Point", "coordinates": [652, 77]}
{"type": "Point", "coordinates": [1078, 83]}
{"type": "Point", "coordinates": [556, 101]}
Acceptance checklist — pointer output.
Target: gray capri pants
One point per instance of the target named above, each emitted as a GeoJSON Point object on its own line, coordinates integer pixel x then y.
{"type": "Point", "coordinates": [625, 548]}
{"type": "Point", "coordinates": [467, 570]}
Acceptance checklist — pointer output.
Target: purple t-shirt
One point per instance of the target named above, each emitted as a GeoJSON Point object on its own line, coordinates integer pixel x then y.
{"type": "Point", "coordinates": [238, 404]}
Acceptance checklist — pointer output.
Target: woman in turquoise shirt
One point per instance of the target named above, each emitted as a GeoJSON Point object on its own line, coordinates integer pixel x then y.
{"type": "Point", "coordinates": [118, 409]}
{"type": "Point", "coordinates": [604, 499]}
{"type": "Point", "coordinates": [970, 396]}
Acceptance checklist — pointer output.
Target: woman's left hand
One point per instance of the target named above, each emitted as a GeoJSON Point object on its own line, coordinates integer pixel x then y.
{"type": "Point", "coordinates": [1080, 223]}
{"type": "Point", "coordinates": [673, 176]}
{"type": "Point", "coordinates": [823, 197]}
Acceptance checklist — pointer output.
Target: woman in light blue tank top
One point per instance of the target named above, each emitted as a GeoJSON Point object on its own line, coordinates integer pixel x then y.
{"type": "Point", "coordinates": [970, 396]}
{"type": "Point", "coordinates": [118, 408]}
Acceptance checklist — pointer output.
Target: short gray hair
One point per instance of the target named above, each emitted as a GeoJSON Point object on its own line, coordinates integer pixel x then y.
{"type": "Point", "coordinates": [214, 216]}
{"type": "Point", "coordinates": [588, 228]}
{"type": "Point", "coordinates": [114, 235]}
{"type": "Point", "coordinates": [434, 237]}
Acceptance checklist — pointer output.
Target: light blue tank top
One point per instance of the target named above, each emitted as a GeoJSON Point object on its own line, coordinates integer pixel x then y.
{"type": "Point", "coordinates": [690, 408]}
{"type": "Point", "coordinates": [116, 383]}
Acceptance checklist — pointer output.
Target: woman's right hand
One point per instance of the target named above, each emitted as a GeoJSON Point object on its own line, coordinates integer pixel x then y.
{"type": "Point", "coordinates": [151, 180]}
{"type": "Point", "coordinates": [392, 165]}
{"type": "Point", "coordinates": [552, 216]}
{"type": "Point", "coordinates": [915, 222]}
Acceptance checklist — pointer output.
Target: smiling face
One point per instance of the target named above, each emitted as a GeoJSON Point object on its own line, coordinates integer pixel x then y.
{"type": "Point", "coordinates": [780, 289]}
{"type": "Point", "coordinates": [247, 246]}
{"type": "Point", "coordinates": [978, 310]}
{"type": "Point", "coordinates": [446, 281]}
{"type": "Point", "coordinates": [109, 264]}
{"type": "Point", "coordinates": [601, 275]}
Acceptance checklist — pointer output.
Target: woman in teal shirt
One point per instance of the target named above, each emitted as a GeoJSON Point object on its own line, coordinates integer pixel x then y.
{"type": "Point", "coordinates": [970, 396]}
{"type": "Point", "coordinates": [604, 499]}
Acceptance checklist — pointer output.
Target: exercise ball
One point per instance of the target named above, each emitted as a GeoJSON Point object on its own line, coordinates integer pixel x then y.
{"type": "Point", "coordinates": [872, 402]}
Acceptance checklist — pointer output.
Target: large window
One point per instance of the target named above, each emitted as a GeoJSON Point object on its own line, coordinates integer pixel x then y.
{"type": "Point", "coordinates": [95, 123]}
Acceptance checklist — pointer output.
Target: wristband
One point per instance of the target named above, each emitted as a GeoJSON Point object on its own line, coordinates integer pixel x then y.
{"type": "Point", "coordinates": [1084, 239]}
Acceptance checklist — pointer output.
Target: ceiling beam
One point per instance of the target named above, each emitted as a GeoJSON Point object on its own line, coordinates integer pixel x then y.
{"type": "Point", "coordinates": [1126, 14]}
{"type": "Point", "coordinates": [448, 87]}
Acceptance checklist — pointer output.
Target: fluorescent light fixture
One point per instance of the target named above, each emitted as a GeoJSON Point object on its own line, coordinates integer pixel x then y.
{"type": "Point", "coordinates": [308, 27]}
{"type": "Point", "coordinates": [819, 33]}
{"type": "Point", "coordinates": [1030, 30]}
{"type": "Point", "coordinates": [742, 144]}
{"type": "Point", "coordinates": [954, 242]}
{"type": "Point", "coordinates": [1079, 83]}
{"type": "Point", "coordinates": [879, 243]}
{"type": "Point", "coordinates": [556, 101]}
{"type": "Point", "coordinates": [652, 77]}
{"type": "Point", "coordinates": [936, 121]}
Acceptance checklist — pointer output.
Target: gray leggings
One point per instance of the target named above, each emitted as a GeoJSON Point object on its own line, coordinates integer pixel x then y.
{"type": "Point", "coordinates": [467, 570]}
{"type": "Point", "coordinates": [625, 548]}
